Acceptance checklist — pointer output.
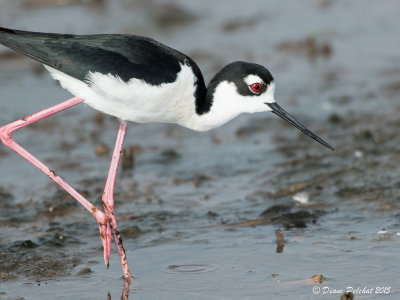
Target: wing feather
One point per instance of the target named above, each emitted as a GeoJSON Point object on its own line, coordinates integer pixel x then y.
{"type": "Point", "coordinates": [126, 56]}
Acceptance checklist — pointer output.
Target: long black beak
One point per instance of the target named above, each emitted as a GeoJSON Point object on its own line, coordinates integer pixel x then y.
{"type": "Point", "coordinates": [279, 111]}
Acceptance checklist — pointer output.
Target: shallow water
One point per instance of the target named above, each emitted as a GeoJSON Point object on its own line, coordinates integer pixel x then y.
{"type": "Point", "coordinates": [198, 211]}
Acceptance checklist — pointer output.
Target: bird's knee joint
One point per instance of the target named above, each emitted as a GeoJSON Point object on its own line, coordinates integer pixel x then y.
{"type": "Point", "coordinates": [5, 135]}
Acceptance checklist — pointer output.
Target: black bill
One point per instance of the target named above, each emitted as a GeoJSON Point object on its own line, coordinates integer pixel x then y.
{"type": "Point", "coordinates": [279, 111]}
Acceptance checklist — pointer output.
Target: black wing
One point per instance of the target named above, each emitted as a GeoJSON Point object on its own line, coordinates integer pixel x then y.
{"type": "Point", "coordinates": [128, 56]}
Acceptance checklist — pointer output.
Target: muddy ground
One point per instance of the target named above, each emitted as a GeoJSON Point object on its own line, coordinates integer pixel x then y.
{"type": "Point", "coordinates": [198, 211]}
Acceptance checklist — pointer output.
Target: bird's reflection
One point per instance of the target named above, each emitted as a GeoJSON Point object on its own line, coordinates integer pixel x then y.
{"type": "Point", "coordinates": [125, 290]}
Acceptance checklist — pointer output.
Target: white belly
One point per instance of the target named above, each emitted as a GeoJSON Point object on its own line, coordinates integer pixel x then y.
{"type": "Point", "coordinates": [136, 100]}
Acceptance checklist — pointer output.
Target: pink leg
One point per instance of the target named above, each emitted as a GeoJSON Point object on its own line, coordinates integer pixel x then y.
{"type": "Point", "coordinates": [6, 137]}
{"type": "Point", "coordinates": [108, 197]}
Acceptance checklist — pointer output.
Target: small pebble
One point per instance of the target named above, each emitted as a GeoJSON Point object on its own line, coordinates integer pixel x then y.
{"type": "Point", "coordinates": [383, 235]}
{"type": "Point", "coordinates": [347, 296]}
{"type": "Point", "coordinates": [101, 150]}
{"type": "Point", "coordinates": [84, 271]}
{"type": "Point", "coordinates": [301, 197]}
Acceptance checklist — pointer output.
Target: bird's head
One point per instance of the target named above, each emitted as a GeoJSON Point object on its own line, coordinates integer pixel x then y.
{"type": "Point", "coordinates": [243, 87]}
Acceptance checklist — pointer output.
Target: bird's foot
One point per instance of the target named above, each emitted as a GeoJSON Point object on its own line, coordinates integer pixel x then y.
{"type": "Point", "coordinates": [105, 233]}
{"type": "Point", "coordinates": [112, 222]}
{"type": "Point", "coordinates": [106, 237]}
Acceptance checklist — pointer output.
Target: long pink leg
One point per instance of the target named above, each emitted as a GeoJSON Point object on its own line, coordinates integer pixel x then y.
{"type": "Point", "coordinates": [108, 197]}
{"type": "Point", "coordinates": [6, 137]}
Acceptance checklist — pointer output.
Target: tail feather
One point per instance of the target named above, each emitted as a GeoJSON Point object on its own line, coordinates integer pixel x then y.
{"type": "Point", "coordinates": [32, 44]}
{"type": "Point", "coordinates": [21, 41]}
{"type": "Point", "coordinates": [7, 30]}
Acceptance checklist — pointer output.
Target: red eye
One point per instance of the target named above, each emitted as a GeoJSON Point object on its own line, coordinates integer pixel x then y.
{"type": "Point", "coordinates": [256, 88]}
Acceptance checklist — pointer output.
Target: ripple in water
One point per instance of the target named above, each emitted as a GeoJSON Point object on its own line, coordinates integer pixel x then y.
{"type": "Point", "coordinates": [191, 269]}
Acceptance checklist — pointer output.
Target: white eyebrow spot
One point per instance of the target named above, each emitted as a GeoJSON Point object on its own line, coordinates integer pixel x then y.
{"type": "Point", "coordinates": [250, 79]}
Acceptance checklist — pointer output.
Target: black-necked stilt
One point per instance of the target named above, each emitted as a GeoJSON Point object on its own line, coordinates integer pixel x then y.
{"type": "Point", "coordinates": [138, 79]}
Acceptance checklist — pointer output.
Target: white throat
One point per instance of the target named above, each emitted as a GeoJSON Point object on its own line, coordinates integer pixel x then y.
{"type": "Point", "coordinates": [228, 104]}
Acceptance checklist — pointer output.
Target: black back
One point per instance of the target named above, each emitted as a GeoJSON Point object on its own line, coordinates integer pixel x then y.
{"type": "Point", "coordinates": [128, 56]}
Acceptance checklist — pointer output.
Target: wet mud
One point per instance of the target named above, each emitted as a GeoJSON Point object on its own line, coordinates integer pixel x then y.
{"type": "Point", "coordinates": [250, 209]}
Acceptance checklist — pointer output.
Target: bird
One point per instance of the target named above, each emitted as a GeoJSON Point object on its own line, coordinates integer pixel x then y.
{"type": "Point", "coordinates": [138, 79]}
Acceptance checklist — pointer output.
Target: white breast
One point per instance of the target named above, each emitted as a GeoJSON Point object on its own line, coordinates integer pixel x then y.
{"type": "Point", "coordinates": [136, 100]}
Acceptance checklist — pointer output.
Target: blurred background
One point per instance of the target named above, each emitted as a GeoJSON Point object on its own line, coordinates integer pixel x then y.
{"type": "Point", "coordinates": [198, 211]}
